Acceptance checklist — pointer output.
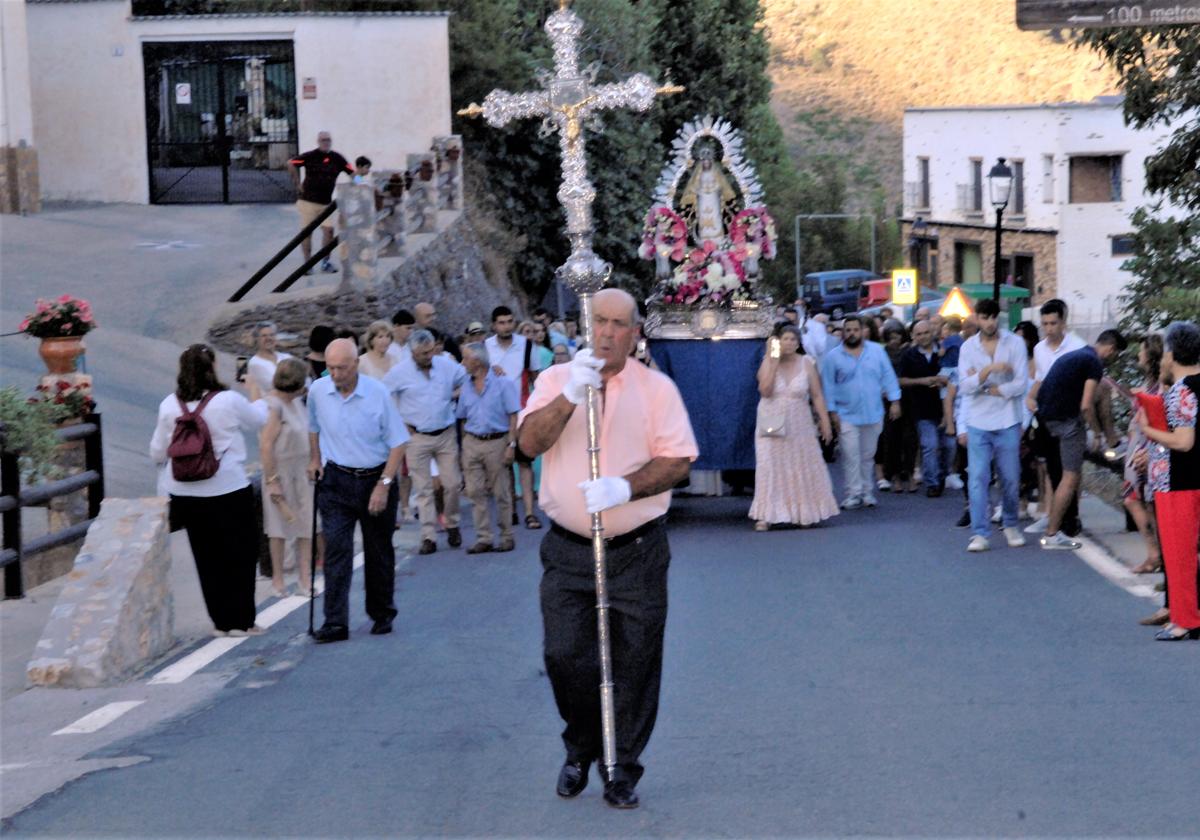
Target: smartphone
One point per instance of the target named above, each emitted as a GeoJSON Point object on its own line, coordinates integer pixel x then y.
{"type": "Point", "coordinates": [775, 352]}
{"type": "Point", "coordinates": [243, 365]}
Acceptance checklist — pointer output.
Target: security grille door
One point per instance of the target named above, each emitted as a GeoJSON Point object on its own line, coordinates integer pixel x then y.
{"type": "Point", "coordinates": [220, 121]}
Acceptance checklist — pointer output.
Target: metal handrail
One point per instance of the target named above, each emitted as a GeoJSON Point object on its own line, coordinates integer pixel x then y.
{"type": "Point", "coordinates": [325, 251]}
{"type": "Point", "coordinates": [270, 264]}
{"type": "Point", "coordinates": [13, 497]}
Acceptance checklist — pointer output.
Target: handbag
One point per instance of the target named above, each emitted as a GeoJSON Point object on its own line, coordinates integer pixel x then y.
{"type": "Point", "coordinates": [771, 419]}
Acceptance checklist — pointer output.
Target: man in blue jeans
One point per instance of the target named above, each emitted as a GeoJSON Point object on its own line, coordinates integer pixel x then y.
{"type": "Point", "coordinates": [921, 382]}
{"type": "Point", "coordinates": [993, 375]}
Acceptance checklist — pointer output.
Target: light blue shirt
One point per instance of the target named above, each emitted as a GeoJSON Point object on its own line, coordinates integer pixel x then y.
{"type": "Point", "coordinates": [356, 431]}
{"type": "Point", "coordinates": [426, 398]}
{"type": "Point", "coordinates": [981, 409]}
{"type": "Point", "coordinates": [488, 413]}
{"type": "Point", "coordinates": [855, 387]}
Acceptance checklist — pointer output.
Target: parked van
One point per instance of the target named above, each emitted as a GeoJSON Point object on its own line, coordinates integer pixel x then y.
{"type": "Point", "coordinates": [835, 292]}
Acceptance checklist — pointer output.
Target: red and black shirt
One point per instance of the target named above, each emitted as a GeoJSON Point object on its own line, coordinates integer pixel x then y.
{"type": "Point", "coordinates": [321, 171]}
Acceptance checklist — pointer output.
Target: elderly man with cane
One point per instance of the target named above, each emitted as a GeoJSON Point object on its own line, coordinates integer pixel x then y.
{"type": "Point", "coordinates": [646, 448]}
{"type": "Point", "coordinates": [356, 442]}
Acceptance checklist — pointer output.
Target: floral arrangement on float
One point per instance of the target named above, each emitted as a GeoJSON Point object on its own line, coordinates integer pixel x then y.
{"type": "Point", "coordinates": [708, 275]}
{"type": "Point", "coordinates": [663, 235]}
{"type": "Point", "coordinates": [753, 233]}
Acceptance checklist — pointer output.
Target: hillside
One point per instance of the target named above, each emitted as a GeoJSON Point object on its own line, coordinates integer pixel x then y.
{"type": "Point", "coordinates": [845, 70]}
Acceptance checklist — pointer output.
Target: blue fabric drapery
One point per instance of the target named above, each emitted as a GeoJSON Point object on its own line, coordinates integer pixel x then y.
{"type": "Point", "coordinates": [717, 381]}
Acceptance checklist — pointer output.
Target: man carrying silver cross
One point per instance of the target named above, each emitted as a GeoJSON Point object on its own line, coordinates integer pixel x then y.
{"type": "Point", "coordinates": [646, 448]}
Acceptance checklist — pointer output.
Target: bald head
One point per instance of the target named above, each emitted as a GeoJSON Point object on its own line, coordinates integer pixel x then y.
{"type": "Point", "coordinates": [615, 299]}
{"type": "Point", "coordinates": [615, 323]}
{"type": "Point", "coordinates": [425, 313]}
{"type": "Point", "coordinates": [341, 360]}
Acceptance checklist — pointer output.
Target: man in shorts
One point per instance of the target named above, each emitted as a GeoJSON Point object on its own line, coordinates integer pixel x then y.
{"type": "Point", "coordinates": [1066, 405]}
{"type": "Point", "coordinates": [321, 166]}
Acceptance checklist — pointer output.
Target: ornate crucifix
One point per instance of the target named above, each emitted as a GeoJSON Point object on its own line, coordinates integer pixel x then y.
{"type": "Point", "coordinates": [566, 101]}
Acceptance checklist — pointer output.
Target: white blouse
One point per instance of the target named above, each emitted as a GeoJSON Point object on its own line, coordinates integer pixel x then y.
{"type": "Point", "coordinates": [228, 416]}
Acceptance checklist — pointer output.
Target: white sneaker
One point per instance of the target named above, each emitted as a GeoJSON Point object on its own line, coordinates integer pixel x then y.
{"type": "Point", "coordinates": [998, 514]}
{"type": "Point", "coordinates": [953, 482]}
{"type": "Point", "coordinates": [883, 484]}
{"type": "Point", "coordinates": [1038, 527]}
{"type": "Point", "coordinates": [1015, 538]}
{"type": "Point", "coordinates": [852, 503]}
{"type": "Point", "coordinates": [978, 543]}
{"type": "Point", "coordinates": [1060, 541]}
{"type": "Point", "coordinates": [869, 500]}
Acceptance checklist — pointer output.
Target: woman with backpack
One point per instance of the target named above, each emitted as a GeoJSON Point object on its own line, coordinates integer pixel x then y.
{"type": "Point", "coordinates": [200, 432]}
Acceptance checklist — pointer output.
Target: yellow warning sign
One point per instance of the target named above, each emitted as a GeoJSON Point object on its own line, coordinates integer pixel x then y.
{"type": "Point", "coordinates": [904, 286]}
{"type": "Point", "coordinates": [955, 304]}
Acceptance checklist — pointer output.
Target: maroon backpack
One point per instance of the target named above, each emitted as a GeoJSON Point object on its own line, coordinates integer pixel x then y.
{"type": "Point", "coordinates": [191, 448]}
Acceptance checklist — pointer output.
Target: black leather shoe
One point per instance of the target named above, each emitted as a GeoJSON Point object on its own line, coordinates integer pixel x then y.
{"type": "Point", "coordinates": [454, 537]}
{"type": "Point", "coordinates": [480, 548]}
{"type": "Point", "coordinates": [427, 547]}
{"type": "Point", "coordinates": [933, 492]}
{"type": "Point", "coordinates": [964, 521]}
{"type": "Point", "coordinates": [331, 633]}
{"type": "Point", "coordinates": [620, 794]}
{"type": "Point", "coordinates": [572, 779]}
{"type": "Point", "coordinates": [381, 627]}
{"type": "Point", "coordinates": [1177, 634]}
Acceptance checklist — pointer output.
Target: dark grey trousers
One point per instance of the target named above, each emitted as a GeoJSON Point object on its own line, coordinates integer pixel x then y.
{"type": "Point", "coordinates": [637, 585]}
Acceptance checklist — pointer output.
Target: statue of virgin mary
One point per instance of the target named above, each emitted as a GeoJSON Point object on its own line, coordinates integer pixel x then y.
{"type": "Point", "coordinates": [705, 199]}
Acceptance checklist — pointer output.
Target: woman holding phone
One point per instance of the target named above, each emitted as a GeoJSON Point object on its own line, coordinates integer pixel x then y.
{"type": "Point", "coordinates": [791, 481]}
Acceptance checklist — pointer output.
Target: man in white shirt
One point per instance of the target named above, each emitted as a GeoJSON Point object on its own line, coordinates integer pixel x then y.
{"type": "Point", "coordinates": [1056, 342]}
{"type": "Point", "coordinates": [993, 375]}
{"type": "Point", "coordinates": [511, 356]}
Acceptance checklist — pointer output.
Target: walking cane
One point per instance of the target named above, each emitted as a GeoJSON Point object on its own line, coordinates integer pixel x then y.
{"type": "Point", "coordinates": [312, 562]}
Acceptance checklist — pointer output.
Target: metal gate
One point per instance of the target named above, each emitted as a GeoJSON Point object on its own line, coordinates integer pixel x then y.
{"type": "Point", "coordinates": [220, 121]}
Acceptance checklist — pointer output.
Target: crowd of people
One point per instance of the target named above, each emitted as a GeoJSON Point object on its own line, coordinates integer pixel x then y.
{"type": "Point", "coordinates": [1006, 416]}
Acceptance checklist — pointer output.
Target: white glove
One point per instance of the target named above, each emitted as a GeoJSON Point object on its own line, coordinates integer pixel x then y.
{"type": "Point", "coordinates": [605, 492]}
{"type": "Point", "coordinates": [584, 371]}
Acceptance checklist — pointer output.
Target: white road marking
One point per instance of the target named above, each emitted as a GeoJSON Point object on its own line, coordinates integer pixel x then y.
{"type": "Point", "coordinates": [1112, 570]}
{"type": "Point", "coordinates": [179, 671]}
{"type": "Point", "coordinates": [100, 718]}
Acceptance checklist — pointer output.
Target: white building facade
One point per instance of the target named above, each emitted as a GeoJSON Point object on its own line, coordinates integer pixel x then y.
{"type": "Point", "coordinates": [107, 89]}
{"type": "Point", "coordinates": [1078, 176]}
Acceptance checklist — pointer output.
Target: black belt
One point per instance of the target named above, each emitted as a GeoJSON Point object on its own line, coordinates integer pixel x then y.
{"type": "Point", "coordinates": [434, 433]}
{"type": "Point", "coordinates": [612, 542]}
{"type": "Point", "coordinates": [492, 436]}
{"type": "Point", "coordinates": [360, 472]}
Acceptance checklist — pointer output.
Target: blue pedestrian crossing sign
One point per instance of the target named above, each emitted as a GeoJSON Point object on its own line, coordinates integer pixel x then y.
{"type": "Point", "coordinates": [904, 286]}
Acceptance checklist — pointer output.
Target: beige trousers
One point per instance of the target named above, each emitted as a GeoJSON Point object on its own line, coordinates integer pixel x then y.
{"type": "Point", "coordinates": [421, 450]}
{"type": "Point", "coordinates": [487, 476]}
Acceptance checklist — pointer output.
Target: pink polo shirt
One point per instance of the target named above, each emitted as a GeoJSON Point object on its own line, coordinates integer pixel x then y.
{"type": "Point", "coordinates": [643, 418]}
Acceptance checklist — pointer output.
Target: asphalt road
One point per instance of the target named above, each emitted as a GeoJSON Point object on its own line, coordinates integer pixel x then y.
{"type": "Point", "coordinates": [866, 677]}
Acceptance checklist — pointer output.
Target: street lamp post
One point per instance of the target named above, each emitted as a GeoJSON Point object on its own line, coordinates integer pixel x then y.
{"type": "Point", "coordinates": [999, 189]}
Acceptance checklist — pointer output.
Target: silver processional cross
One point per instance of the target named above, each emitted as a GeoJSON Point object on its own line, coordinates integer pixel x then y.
{"type": "Point", "coordinates": [565, 102]}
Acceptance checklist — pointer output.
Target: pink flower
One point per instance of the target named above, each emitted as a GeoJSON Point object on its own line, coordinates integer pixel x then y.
{"type": "Point", "coordinates": [65, 299]}
{"type": "Point", "coordinates": [42, 306]}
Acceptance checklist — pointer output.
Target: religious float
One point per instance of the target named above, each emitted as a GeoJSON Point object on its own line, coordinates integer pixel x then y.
{"type": "Point", "coordinates": [707, 235]}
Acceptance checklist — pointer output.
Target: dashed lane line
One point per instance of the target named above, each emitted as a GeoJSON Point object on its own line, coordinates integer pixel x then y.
{"type": "Point", "coordinates": [100, 718]}
{"type": "Point", "coordinates": [177, 672]}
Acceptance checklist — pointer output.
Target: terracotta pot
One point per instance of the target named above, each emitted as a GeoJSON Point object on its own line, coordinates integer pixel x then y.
{"type": "Point", "coordinates": [60, 354]}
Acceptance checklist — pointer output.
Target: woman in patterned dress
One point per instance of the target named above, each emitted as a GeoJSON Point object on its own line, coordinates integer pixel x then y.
{"type": "Point", "coordinates": [791, 481]}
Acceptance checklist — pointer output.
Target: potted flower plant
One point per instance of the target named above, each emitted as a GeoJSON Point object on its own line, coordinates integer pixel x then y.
{"type": "Point", "coordinates": [61, 324]}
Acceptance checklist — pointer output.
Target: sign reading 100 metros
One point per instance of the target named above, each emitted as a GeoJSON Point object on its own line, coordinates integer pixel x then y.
{"type": "Point", "coordinates": [1099, 14]}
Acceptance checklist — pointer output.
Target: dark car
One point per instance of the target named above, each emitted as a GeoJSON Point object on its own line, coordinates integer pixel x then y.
{"type": "Point", "coordinates": [835, 292]}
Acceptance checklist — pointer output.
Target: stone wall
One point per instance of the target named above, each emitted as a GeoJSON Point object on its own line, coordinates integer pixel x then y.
{"type": "Point", "coordinates": [19, 190]}
{"type": "Point", "coordinates": [116, 611]}
{"type": "Point", "coordinates": [448, 271]}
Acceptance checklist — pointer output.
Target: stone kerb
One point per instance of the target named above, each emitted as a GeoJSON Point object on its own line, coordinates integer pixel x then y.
{"type": "Point", "coordinates": [116, 611]}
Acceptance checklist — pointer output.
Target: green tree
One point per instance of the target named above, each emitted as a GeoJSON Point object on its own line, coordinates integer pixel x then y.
{"type": "Point", "coordinates": [1159, 71]}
